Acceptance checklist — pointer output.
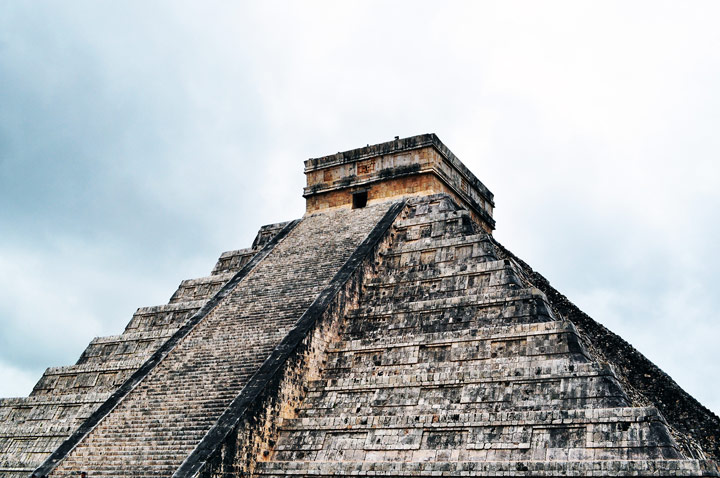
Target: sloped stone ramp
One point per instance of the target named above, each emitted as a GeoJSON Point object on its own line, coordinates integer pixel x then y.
{"type": "Point", "coordinates": [152, 429]}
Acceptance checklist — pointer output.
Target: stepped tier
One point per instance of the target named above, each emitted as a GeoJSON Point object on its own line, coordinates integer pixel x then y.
{"type": "Point", "coordinates": [168, 316]}
{"type": "Point", "coordinates": [453, 364]}
{"type": "Point", "coordinates": [559, 465]}
{"type": "Point", "coordinates": [386, 333]}
{"type": "Point", "coordinates": [200, 289]}
{"type": "Point", "coordinates": [449, 362]}
{"type": "Point", "coordinates": [33, 427]}
{"type": "Point", "coordinates": [233, 261]}
{"type": "Point", "coordinates": [153, 429]}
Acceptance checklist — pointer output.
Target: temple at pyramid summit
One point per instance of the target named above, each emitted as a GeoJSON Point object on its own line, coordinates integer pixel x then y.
{"type": "Point", "coordinates": [385, 333]}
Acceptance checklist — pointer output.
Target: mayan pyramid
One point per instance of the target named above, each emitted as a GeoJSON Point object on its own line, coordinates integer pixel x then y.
{"type": "Point", "coordinates": [385, 333]}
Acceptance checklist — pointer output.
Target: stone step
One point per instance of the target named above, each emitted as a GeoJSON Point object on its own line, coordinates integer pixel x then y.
{"type": "Point", "coordinates": [233, 261]}
{"type": "Point", "coordinates": [133, 336]}
{"type": "Point", "coordinates": [440, 216]}
{"type": "Point", "coordinates": [38, 428]}
{"type": "Point", "coordinates": [415, 395]}
{"type": "Point", "coordinates": [444, 350]}
{"type": "Point", "coordinates": [495, 369]}
{"type": "Point", "coordinates": [134, 345]}
{"type": "Point", "coordinates": [40, 411]}
{"type": "Point", "coordinates": [266, 233]}
{"type": "Point", "coordinates": [438, 226]}
{"type": "Point", "coordinates": [448, 315]}
{"type": "Point", "coordinates": [512, 441]}
{"type": "Point", "coordinates": [86, 375]}
{"type": "Point", "coordinates": [432, 290]}
{"type": "Point", "coordinates": [498, 372]}
{"type": "Point", "coordinates": [491, 298]}
{"type": "Point", "coordinates": [481, 245]}
{"type": "Point", "coordinates": [80, 383]}
{"type": "Point", "coordinates": [16, 470]}
{"type": "Point", "coordinates": [471, 335]}
{"type": "Point", "coordinates": [199, 400]}
{"type": "Point", "coordinates": [352, 404]}
{"type": "Point", "coordinates": [201, 288]}
{"type": "Point", "coordinates": [150, 459]}
{"type": "Point", "coordinates": [431, 466]}
{"type": "Point", "coordinates": [475, 418]}
{"type": "Point", "coordinates": [141, 473]}
{"type": "Point", "coordinates": [162, 436]}
{"type": "Point", "coordinates": [68, 399]}
{"type": "Point", "coordinates": [431, 287]}
{"type": "Point", "coordinates": [152, 468]}
{"type": "Point", "coordinates": [162, 447]}
{"type": "Point", "coordinates": [130, 361]}
{"type": "Point", "coordinates": [163, 316]}
{"type": "Point", "coordinates": [445, 270]}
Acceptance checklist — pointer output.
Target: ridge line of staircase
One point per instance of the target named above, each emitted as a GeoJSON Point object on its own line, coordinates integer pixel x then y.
{"type": "Point", "coordinates": [214, 438]}
{"type": "Point", "coordinates": [97, 416]}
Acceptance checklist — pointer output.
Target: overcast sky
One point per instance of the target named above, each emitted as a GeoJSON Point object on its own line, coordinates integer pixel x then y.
{"type": "Point", "coordinates": [139, 140]}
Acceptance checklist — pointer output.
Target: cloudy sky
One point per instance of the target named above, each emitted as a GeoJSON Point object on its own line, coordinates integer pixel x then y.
{"type": "Point", "coordinates": [139, 140]}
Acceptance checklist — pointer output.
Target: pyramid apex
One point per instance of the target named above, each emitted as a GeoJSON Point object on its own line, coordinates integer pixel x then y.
{"type": "Point", "coordinates": [414, 166]}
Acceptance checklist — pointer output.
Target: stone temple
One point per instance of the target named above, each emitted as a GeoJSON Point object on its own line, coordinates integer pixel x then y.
{"type": "Point", "coordinates": [385, 333]}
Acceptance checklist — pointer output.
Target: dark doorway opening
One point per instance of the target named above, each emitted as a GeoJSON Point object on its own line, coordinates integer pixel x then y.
{"type": "Point", "coordinates": [359, 199]}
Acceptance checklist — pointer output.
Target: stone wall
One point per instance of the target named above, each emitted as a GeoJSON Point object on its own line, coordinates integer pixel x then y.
{"type": "Point", "coordinates": [454, 364]}
{"type": "Point", "coordinates": [160, 415]}
{"type": "Point", "coordinates": [415, 184]}
{"type": "Point", "coordinates": [696, 428]}
{"type": "Point", "coordinates": [33, 427]}
{"type": "Point", "coordinates": [391, 170]}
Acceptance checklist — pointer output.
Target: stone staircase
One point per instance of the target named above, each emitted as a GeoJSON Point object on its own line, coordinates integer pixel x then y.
{"type": "Point", "coordinates": [33, 427]}
{"type": "Point", "coordinates": [395, 339]}
{"type": "Point", "coordinates": [454, 364]}
{"type": "Point", "coordinates": [156, 426]}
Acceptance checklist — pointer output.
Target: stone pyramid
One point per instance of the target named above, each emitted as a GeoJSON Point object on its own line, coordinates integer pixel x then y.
{"type": "Point", "coordinates": [386, 333]}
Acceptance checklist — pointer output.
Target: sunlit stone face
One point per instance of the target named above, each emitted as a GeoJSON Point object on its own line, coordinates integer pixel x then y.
{"type": "Point", "coordinates": [416, 166]}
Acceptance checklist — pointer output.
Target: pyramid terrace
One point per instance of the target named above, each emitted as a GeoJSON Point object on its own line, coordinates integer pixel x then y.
{"type": "Point", "coordinates": [384, 333]}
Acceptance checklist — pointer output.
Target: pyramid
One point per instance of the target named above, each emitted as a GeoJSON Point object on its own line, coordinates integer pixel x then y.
{"type": "Point", "coordinates": [385, 333]}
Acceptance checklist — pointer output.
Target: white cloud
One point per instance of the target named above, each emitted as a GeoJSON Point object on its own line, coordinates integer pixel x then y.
{"type": "Point", "coordinates": [53, 302]}
{"type": "Point", "coordinates": [15, 382]}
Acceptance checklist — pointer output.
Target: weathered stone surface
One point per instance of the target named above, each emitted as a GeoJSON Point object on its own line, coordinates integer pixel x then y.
{"type": "Point", "coordinates": [64, 397]}
{"type": "Point", "coordinates": [168, 413]}
{"type": "Point", "coordinates": [396, 338]}
{"type": "Point", "coordinates": [441, 370]}
{"type": "Point", "coordinates": [416, 166]}
{"type": "Point", "coordinates": [696, 428]}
